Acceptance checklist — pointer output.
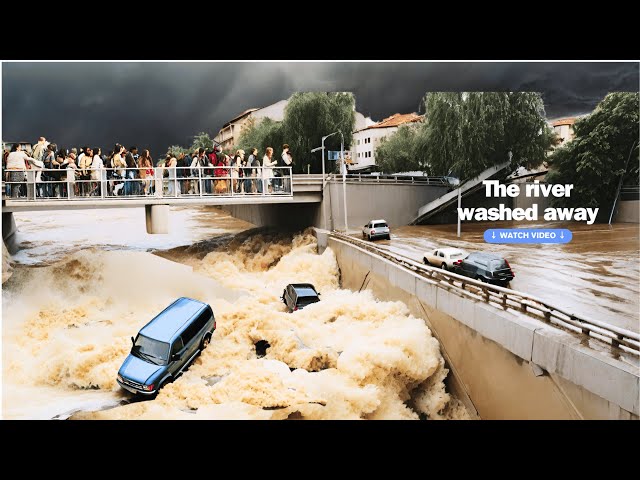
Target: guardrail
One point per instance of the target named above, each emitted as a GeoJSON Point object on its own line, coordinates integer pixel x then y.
{"type": "Point", "coordinates": [615, 337]}
{"type": "Point", "coordinates": [389, 179]}
{"type": "Point", "coordinates": [38, 184]}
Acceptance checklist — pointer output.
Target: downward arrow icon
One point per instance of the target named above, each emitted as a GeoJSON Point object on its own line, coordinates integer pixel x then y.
{"type": "Point", "coordinates": [493, 234]}
{"type": "Point", "coordinates": [561, 234]}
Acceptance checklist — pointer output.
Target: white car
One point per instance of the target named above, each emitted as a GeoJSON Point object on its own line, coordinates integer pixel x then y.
{"type": "Point", "coordinates": [376, 229]}
{"type": "Point", "coordinates": [446, 258]}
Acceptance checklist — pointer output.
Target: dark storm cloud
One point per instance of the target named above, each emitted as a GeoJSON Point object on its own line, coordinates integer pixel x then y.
{"type": "Point", "coordinates": [158, 104]}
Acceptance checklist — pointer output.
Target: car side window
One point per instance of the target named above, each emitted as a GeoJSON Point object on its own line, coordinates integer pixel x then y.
{"type": "Point", "coordinates": [177, 345]}
{"type": "Point", "coordinates": [441, 254]}
{"type": "Point", "coordinates": [436, 253]}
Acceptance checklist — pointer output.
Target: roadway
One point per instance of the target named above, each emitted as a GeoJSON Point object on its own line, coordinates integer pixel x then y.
{"type": "Point", "coordinates": [596, 275]}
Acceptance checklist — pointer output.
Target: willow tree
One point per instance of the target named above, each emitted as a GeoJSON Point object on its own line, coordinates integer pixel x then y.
{"type": "Point", "coordinates": [261, 134]}
{"type": "Point", "coordinates": [604, 150]}
{"type": "Point", "coordinates": [466, 133]}
{"type": "Point", "coordinates": [399, 152]}
{"type": "Point", "coordinates": [311, 115]}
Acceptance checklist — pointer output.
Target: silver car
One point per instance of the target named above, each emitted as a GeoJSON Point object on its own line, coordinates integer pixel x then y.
{"type": "Point", "coordinates": [376, 229]}
{"type": "Point", "coordinates": [448, 258]}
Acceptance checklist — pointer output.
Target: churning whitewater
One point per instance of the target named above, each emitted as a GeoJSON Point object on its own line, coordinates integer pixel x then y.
{"type": "Point", "coordinates": [66, 330]}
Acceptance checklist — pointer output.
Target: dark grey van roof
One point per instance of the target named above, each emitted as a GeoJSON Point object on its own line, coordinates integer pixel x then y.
{"type": "Point", "coordinates": [168, 322]}
{"type": "Point", "coordinates": [485, 256]}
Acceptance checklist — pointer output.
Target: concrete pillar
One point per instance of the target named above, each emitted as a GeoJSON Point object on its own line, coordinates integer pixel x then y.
{"type": "Point", "coordinates": [157, 217]}
{"type": "Point", "coordinates": [8, 232]}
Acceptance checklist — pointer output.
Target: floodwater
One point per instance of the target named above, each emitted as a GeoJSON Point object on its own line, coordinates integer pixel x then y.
{"type": "Point", "coordinates": [86, 281]}
{"type": "Point", "coordinates": [596, 275]}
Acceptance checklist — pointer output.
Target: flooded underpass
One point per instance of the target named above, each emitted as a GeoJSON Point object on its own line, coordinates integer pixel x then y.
{"type": "Point", "coordinates": [68, 314]}
{"type": "Point", "coordinates": [596, 275]}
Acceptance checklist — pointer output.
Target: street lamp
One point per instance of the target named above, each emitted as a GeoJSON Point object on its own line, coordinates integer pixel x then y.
{"type": "Point", "coordinates": [344, 173]}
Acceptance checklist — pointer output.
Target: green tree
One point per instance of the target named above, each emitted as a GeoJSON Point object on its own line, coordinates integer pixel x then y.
{"type": "Point", "coordinates": [465, 133]}
{"type": "Point", "coordinates": [261, 134]}
{"type": "Point", "coordinates": [202, 140]}
{"type": "Point", "coordinates": [597, 157]}
{"type": "Point", "coordinates": [175, 150]}
{"type": "Point", "coordinates": [311, 115]}
{"type": "Point", "coordinates": [399, 152]}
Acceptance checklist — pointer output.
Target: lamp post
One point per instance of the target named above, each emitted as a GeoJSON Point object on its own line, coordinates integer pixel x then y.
{"type": "Point", "coordinates": [344, 171]}
{"type": "Point", "coordinates": [323, 139]}
{"type": "Point", "coordinates": [344, 184]}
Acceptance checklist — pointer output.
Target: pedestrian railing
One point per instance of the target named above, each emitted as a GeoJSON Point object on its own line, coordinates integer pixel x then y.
{"type": "Point", "coordinates": [158, 182]}
{"type": "Point", "coordinates": [390, 179]}
{"type": "Point", "coordinates": [617, 338]}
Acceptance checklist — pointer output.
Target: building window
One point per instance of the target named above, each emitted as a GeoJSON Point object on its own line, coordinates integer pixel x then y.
{"type": "Point", "coordinates": [358, 143]}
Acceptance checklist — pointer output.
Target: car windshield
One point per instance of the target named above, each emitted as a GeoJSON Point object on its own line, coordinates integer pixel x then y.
{"type": "Point", "coordinates": [153, 351]}
{"type": "Point", "coordinates": [380, 225]}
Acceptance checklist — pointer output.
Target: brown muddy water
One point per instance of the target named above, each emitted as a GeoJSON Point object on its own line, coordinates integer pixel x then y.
{"type": "Point", "coordinates": [596, 275]}
{"type": "Point", "coordinates": [68, 315]}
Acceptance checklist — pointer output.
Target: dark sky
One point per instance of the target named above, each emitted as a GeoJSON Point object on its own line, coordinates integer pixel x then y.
{"type": "Point", "coordinates": [154, 105]}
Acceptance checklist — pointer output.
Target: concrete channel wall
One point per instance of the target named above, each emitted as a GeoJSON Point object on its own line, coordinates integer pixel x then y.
{"type": "Point", "coordinates": [397, 203]}
{"type": "Point", "coordinates": [628, 211]}
{"type": "Point", "coordinates": [503, 365]}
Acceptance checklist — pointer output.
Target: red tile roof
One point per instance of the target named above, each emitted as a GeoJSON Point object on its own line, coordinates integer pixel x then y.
{"type": "Point", "coordinates": [564, 121]}
{"type": "Point", "coordinates": [396, 120]}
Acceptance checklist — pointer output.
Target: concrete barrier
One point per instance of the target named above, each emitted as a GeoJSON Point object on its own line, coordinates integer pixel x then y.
{"type": "Point", "coordinates": [504, 364]}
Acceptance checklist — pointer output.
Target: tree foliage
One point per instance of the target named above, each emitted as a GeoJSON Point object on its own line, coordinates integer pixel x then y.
{"type": "Point", "coordinates": [200, 140]}
{"type": "Point", "coordinates": [466, 133]}
{"type": "Point", "coordinates": [261, 134]}
{"type": "Point", "coordinates": [597, 157]}
{"type": "Point", "coordinates": [311, 115]}
{"type": "Point", "coordinates": [399, 152]}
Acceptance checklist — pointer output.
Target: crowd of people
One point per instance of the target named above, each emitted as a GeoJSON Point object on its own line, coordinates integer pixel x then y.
{"type": "Point", "coordinates": [51, 172]}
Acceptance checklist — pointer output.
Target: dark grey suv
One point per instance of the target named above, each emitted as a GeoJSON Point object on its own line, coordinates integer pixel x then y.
{"type": "Point", "coordinates": [487, 267]}
{"type": "Point", "coordinates": [296, 296]}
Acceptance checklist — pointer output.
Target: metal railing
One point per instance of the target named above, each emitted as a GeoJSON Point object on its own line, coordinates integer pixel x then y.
{"type": "Point", "coordinates": [630, 192]}
{"type": "Point", "coordinates": [505, 298]}
{"type": "Point", "coordinates": [389, 179]}
{"type": "Point", "coordinates": [158, 182]}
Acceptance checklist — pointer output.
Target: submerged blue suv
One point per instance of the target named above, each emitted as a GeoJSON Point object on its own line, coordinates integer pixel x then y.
{"type": "Point", "coordinates": [166, 345]}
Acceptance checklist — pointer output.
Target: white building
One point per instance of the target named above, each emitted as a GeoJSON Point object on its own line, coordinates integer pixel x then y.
{"type": "Point", "coordinates": [367, 139]}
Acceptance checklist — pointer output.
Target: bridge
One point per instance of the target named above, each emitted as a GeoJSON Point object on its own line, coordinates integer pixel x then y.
{"type": "Point", "coordinates": [287, 200]}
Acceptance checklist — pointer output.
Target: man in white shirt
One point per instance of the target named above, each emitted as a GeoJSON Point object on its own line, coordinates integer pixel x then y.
{"type": "Point", "coordinates": [17, 167]}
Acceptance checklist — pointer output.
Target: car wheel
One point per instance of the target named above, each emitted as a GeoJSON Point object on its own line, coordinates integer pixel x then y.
{"type": "Point", "coordinates": [206, 341]}
{"type": "Point", "coordinates": [480, 279]}
{"type": "Point", "coordinates": [443, 266]}
{"type": "Point", "coordinates": [162, 385]}
{"type": "Point", "coordinates": [369, 237]}
{"type": "Point", "coordinates": [424, 259]}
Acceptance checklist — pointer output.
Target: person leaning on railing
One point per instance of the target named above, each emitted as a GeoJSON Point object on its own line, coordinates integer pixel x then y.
{"type": "Point", "coordinates": [17, 167]}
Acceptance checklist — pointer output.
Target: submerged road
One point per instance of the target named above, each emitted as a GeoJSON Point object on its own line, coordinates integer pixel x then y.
{"type": "Point", "coordinates": [596, 275]}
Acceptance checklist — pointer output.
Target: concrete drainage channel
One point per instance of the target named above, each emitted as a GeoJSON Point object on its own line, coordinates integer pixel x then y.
{"type": "Point", "coordinates": [510, 354]}
{"type": "Point", "coordinates": [505, 298]}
